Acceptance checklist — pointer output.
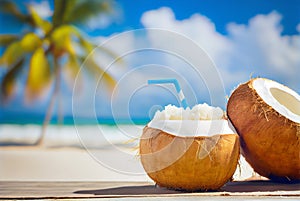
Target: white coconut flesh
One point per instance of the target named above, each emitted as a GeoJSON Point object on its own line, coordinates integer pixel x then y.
{"type": "Point", "coordinates": [193, 128]}
{"type": "Point", "coordinates": [281, 98]}
{"type": "Point", "coordinates": [201, 120]}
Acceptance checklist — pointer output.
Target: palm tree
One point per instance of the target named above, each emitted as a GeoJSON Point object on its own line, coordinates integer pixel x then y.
{"type": "Point", "coordinates": [51, 49]}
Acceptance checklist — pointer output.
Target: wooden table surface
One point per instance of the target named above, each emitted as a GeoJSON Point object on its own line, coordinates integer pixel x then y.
{"type": "Point", "coordinates": [65, 190]}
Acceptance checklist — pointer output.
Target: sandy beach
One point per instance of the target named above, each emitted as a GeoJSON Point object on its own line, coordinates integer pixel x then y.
{"type": "Point", "coordinates": [54, 164]}
{"type": "Point", "coordinates": [82, 153]}
{"type": "Point", "coordinates": [75, 164]}
{"type": "Point", "coordinates": [65, 167]}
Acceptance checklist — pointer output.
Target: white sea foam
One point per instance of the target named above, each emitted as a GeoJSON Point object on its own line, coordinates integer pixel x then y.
{"type": "Point", "coordinates": [95, 136]}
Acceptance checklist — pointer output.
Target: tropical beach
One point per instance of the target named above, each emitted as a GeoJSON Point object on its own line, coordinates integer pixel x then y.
{"type": "Point", "coordinates": [149, 100]}
{"type": "Point", "coordinates": [94, 159]}
{"type": "Point", "coordinates": [66, 163]}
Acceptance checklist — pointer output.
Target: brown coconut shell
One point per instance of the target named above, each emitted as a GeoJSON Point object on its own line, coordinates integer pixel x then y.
{"type": "Point", "coordinates": [270, 142]}
{"type": "Point", "coordinates": [180, 163]}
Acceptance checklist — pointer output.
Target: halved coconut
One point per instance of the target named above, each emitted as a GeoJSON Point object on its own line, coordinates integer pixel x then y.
{"type": "Point", "coordinates": [189, 154]}
{"type": "Point", "coordinates": [266, 115]}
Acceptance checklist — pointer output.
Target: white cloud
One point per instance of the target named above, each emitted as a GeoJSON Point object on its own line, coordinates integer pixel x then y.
{"type": "Point", "coordinates": [198, 28]}
{"type": "Point", "coordinates": [100, 21]}
{"type": "Point", "coordinates": [261, 48]}
{"type": "Point", "coordinates": [103, 20]}
{"type": "Point", "coordinates": [298, 28]}
{"type": "Point", "coordinates": [188, 38]}
{"type": "Point", "coordinates": [257, 47]}
{"type": "Point", "coordinates": [42, 8]}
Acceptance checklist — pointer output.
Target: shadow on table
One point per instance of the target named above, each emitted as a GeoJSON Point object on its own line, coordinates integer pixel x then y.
{"type": "Point", "coordinates": [130, 190]}
{"type": "Point", "coordinates": [241, 186]}
{"type": "Point", "coordinates": [260, 186]}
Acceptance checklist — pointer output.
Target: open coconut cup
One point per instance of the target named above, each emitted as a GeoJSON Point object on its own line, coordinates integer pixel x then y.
{"type": "Point", "coordinates": [202, 162]}
{"type": "Point", "coordinates": [266, 115]}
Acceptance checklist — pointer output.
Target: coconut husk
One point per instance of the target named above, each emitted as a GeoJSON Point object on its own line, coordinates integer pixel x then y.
{"type": "Point", "coordinates": [189, 163]}
{"type": "Point", "coordinates": [270, 142]}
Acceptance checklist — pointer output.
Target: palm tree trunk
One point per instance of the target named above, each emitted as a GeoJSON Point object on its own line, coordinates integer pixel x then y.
{"type": "Point", "coordinates": [53, 99]}
{"type": "Point", "coordinates": [60, 109]}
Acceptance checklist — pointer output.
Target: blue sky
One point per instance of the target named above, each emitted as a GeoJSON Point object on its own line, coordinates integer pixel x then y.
{"type": "Point", "coordinates": [221, 12]}
{"type": "Point", "coordinates": [242, 39]}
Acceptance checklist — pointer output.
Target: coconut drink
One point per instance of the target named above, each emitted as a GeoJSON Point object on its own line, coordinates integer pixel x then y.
{"type": "Point", "coordinates": [266, 115]}
{"type": "Point", "coordinates": [189, 149]}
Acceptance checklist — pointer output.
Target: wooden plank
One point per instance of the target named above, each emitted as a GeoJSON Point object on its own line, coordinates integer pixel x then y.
{"type": "Point", "coordinates": [43, 190]}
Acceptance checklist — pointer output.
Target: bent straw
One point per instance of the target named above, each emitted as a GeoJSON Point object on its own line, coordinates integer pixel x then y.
{"type": "Point", "coordinates": [177, 86]}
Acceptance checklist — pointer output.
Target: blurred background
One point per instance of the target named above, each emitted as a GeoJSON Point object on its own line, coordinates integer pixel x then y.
{"type": "Point", "coordinates": [74, 72]}
{"type": "Point", "coordinates": [243, 39]}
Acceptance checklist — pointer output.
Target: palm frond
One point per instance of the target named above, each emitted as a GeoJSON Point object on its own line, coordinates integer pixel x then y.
{"type": "Point", "coordinates": [80, 11]}
{"type": "Point", "coordinates": [30, 42]}
{"type": "Point", "coordinates": [45, 51]}
{"type": "Point", "coordinates": [9, 81]}
{"type": "Point", "coordinates": [39, 22]}
{"type": "Point", "coordinates": [60, 7]}
{"type": "Point", "coordinates": [87, 46]}
{"type": "Point", "coordinates": [12, 54]}
{"type": "Point", "coordinates": [98, 72]}
{"type": "Point", "coordinates": [7, 39]}
{"type": "Point", "coordinates": [11, 8]}
{"type": "Point", "coordinates": [62, 38]}
{"type": "Point", "coordinates": [39, 75]}
{"type": "Point", "coordinates": [72, 69]}
{"type": "Point", "coordinates": [15, 51]}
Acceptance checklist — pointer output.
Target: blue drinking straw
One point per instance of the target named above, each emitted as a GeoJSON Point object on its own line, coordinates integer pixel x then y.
{"type": "Point", "coordinates": [177, 86]}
